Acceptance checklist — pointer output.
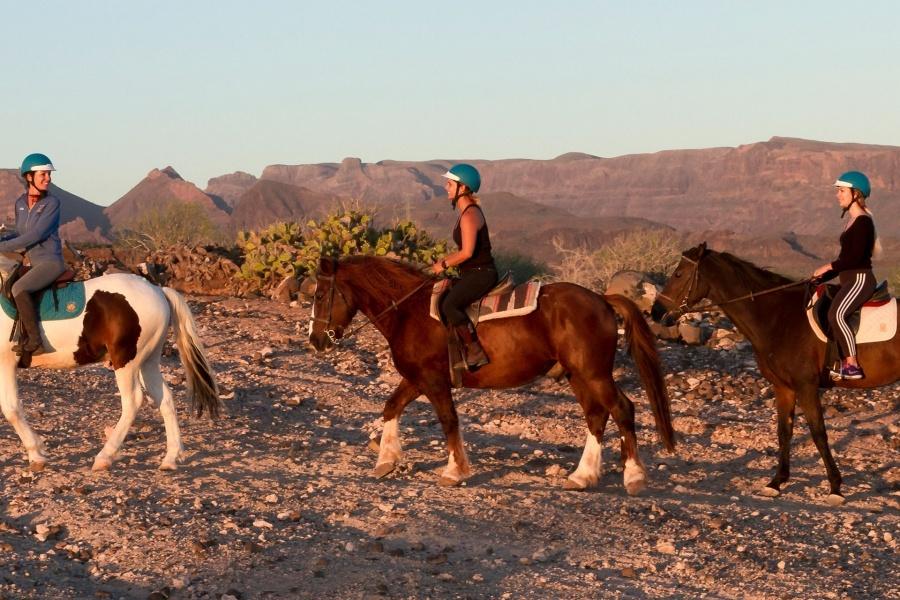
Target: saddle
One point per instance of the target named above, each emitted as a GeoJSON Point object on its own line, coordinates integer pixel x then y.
{"type": "Point", "coordinates": [506, 299]}
{"type": "Point", "coordinates": [66, 298]}
{"type": "Point", "coordinates": [67, 277]}
{"type": "Point", "coordinates": [876, 321]}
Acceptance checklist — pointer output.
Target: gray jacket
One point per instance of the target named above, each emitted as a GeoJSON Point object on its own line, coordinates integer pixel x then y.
{"type": "Point", "coordinates": [38, 230]}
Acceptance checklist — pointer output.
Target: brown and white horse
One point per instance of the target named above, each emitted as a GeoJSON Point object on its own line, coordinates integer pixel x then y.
{"type": "Point", "coordinates": [124, 324]}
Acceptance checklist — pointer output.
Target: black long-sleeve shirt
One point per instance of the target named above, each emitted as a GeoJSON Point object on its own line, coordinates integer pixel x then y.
{"type": "Point", "coordinates": [857, 243]}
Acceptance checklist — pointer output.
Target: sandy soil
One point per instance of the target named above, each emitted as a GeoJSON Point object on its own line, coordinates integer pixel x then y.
{"type": "Point", "coordinates": [277, 499]}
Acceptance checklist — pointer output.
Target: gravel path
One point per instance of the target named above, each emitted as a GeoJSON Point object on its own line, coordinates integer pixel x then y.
{"type": "Point", "coordinates": [277, 500]}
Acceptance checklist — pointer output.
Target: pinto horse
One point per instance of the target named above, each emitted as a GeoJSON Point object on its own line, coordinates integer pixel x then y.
{"type": "Point", "coordinates": [572, 326]}
{"type": "Point", "coordinates": [770, 311]}
{"type": "Point", "coordinates": [124, 324]}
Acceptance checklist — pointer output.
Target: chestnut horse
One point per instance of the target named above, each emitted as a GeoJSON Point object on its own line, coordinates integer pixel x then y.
{"type": "Point", "coordinates": [572, 326]}
{"type": "Point", "coordinates": [124, 325]}
{"type": "Point", "coordinates": [770, 311]}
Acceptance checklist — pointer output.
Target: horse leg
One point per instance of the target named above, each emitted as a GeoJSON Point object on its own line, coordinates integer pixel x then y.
{"type": "Point", "coordinates": [161, 396]}
{"type": "Point", "coordinates": [389, 450]}
{"type": "Point", "coordinates": [11, 405]}
{"type": "Point", "coordinates": [457, 462]}
{"type": "Point", "coordinates": [599, 398]}
{"type": "Point", "coordinates": [812, 409]}
{"type": "Point", "coordinates": [587, 474]}
{"type": "Point", "coordinates": [132, 397]}
{"type": "Point", "coordinates": [785, 401]}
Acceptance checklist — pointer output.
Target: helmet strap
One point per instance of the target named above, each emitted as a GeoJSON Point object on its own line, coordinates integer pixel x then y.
{"type": "Point", "coordinates": [30, 184]}
{"type": "Point", "coordinates": [455, 200]}
{"type": "Point", "coordinates": [852, 202]}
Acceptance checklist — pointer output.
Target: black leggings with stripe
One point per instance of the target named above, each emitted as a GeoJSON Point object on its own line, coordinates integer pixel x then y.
{"type": "Point", "coordinates": [856, 288]}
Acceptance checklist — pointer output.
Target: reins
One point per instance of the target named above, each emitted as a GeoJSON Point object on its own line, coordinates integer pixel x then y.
{"type": "Point", "coordinates": [684, 307]}
{"type": "Point", "coordinates": [394, 305]}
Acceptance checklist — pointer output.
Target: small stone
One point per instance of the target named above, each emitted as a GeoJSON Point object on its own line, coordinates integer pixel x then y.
{"type": "Point", "coordinates": [445, 577]}
{"type": "Point", "coordinates": [781, 565]}
{"type": "Point", "coordinates": [477, 577]}
{"type": "Point", "coordinates": [349, 546]}
{"type": "Point", "coordinates": [665, 546]}
{"type": "Point", "coordinates": [887, 537]}
{"type": "Point", "coordinates": [629, 572]}
{"type": "Point", "coordinates": [262, 524]}
{"type": "Point", "coordinates": [271, 499]}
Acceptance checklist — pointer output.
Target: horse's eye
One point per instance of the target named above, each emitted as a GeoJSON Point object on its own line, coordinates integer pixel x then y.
{"type": "Point", "coordinates": [676, 274]}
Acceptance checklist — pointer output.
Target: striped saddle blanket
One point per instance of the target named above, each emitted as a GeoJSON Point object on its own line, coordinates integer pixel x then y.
{"type": "Point", "coordinates": [520, 300]}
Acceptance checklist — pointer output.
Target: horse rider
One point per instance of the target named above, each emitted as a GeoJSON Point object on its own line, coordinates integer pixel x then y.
{"type": "Point", "coordinates": [37, 227]}
{"type": "Point", "coordinates": [477, 271]}
{"type": "Point", "coordinates": [853, 267]}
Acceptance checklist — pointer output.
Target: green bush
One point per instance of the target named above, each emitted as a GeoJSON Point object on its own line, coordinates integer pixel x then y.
{"type": "Point", "coordinates": [289, 250]}
{"type": "Point", "coordinates": [272, 254]}
{"type": "Point", "coordinates": [522, 267]}
{"type": "Point", "coordinates": [167, 224]}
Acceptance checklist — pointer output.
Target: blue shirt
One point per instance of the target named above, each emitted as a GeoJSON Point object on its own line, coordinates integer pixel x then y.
{"type": "Point", "coordinates": [38, 230]}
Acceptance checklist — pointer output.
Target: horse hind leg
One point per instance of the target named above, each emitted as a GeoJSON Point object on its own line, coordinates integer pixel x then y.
{"type": "Point", "coordinates": [132, 398]}
{"type": "Point", "coordinates": [600, 398]}
{"type": "Point", "coordinates": [389, 450]}
{"type": "Point", "coordinates": [587, 474]}
{"type": "Point", "coordinates": [161, 396]}
{"type": "Point", "coordinates": [458, 469]}
{"type": "Point", "coordinates": [11, 405]}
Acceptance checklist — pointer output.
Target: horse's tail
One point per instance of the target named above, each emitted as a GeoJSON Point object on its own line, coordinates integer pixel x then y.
{"type": "Point", "coordinates": [201, 380]}
{"type": "Point", "coordinates": [642, 345]}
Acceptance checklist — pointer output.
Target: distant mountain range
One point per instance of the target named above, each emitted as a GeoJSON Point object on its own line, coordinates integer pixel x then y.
{"type": "Point", "coordinates": [770, 198]}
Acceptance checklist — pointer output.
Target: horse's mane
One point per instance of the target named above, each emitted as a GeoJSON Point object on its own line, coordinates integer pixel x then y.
{"type": "Point", "coordinates": [755, 277]}
{"type": "Point", "coordinates": [378, 274]}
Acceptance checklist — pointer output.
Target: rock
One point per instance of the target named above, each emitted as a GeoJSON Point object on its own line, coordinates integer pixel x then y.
{"type": "Point", "coordinates": [285, 291]}
{"type": "Point", "coordinates": [665, 546]}
{"type": "Point", "coordinates": [629, 572]}
{"type": "Point", "coordinates": [690, 333]}
{"type": "Point", "coordinates": [635, 286]}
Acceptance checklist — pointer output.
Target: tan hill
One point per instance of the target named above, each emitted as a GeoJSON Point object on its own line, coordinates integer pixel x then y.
{"type": "Point", "coordinates": [161, 186]}
{"type": "Point", "coordinates": [230, 187]}
{"type": "Point", "coordinates": [267, 202]}
{"type": "Point", "coordinates": [82, 221]}
{"type": "Point", "coordinates": [766, 188]}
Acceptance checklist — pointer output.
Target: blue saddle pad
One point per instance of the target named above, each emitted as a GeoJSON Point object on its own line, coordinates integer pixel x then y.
{"type": "Point", "coordinates": [71, 303]}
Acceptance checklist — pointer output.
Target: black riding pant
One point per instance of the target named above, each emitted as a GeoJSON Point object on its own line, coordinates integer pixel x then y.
{"type": "Point", "coordinates": [856, 288]}
{"type": "Point", "coordinates": [471, 285]}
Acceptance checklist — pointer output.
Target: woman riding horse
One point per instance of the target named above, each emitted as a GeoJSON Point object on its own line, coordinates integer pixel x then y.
{"type": "Point", "coordinates": [853, 266]}
{"type": "Point", "coordinates": [37, 227]}
{"type": "Point", "coordinates": [477, 272]}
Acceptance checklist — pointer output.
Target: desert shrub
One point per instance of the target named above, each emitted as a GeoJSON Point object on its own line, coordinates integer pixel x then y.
{"type": "Point", "coordinates": [522, 267]}
{"type": "Point", "coordinates": [272, 254]}
{"type": "Point", "coordinates": [171, 223]}
{"type": "Point", "coordinates": [651, 251]}
{"type": "Point", "coordinates": [287, 249]}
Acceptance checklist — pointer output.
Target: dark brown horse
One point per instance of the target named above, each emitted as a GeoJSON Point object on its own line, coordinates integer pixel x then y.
{"type": "Point", "coordinates": [572, 326]}
{"type": "Point", "coordinates": [770, 311]}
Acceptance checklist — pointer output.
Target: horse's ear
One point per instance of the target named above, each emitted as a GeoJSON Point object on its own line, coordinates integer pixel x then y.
{"type": "Point", "coordinates": [327, 265]}
{"type": "Point", "coordinates": [702, 248]}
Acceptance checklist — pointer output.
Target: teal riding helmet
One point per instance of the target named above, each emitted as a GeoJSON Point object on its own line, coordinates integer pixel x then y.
{"type": "Point", "coordinates": [36, 162]}
{"type": "Point", "coordinates": [466, 175]}
{"type": "Point", "coordinates": [855, 180]}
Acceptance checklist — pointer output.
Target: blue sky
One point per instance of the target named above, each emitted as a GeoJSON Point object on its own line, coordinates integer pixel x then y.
{"type": "Point", "coordinates": [111, 90]}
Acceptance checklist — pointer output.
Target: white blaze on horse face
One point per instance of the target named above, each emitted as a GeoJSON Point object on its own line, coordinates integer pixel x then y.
{"type": "Point", "coordinates": [312, 314]}
{"type": "Point", "coordinates": [588, 472]}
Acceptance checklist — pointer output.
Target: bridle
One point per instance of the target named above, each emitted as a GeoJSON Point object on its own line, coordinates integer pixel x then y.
{"type": "Point", "coordinates": [684, 306]}
{"type": "Point", "coordinates": [329, 330]}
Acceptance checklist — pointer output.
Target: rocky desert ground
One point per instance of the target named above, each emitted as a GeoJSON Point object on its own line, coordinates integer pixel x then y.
{"type": "Point", "coordinates": [276, 499]}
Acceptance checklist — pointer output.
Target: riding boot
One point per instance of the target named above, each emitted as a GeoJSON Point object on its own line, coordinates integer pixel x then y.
{"type": "Point", "coordinates": [475, 356]}
{"type": "Point", "coordinates": [31, 341]}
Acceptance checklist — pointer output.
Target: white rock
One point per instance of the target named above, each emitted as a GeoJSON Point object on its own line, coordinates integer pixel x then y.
{"type": "Point", "coordinates": [262, 524]}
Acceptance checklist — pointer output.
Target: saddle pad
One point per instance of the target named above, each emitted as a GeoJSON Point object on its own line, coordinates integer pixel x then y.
{"type": "Point", "coordinates": [877, 323]}
{"type": "Point", "coordinates": [521, 301]}
{"type": "Point", "coordinates": [71, 303]}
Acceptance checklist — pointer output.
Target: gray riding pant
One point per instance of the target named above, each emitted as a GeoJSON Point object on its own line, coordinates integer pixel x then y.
{"type": "Point", "coordinates": [38, 277]}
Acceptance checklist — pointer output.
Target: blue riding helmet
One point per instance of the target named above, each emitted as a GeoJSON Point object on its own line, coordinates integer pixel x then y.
{"type": "Point", "coordinates": [466, 175]}
{"type": "Point", "coordinates": [36, 162]}
{"type": "Point", "coordinates": [855, 180]}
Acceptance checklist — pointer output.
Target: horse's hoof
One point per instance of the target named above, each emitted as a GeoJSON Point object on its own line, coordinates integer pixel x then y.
{"type": "Point", "coordinates": [571, 484]}
{"type": "Point", "coordinates": [834, 500]}
{"type": "Point", "coordinates": [636, 486]}
{"type": "Point", "coordinates": [768, 492]}
{"type": "Point", "coordinates": [448, 482]}
{"type": "Point", "coordinates": [101, 464]}
{"type": "Point", "coordinates": [382, 469]}
{"type": "Point", "coordinates": [168, 465]}
{"type": "Point", "coordinates": [36, 466]}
